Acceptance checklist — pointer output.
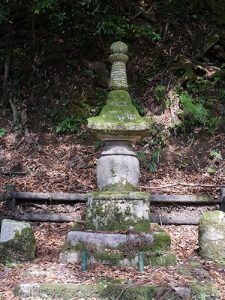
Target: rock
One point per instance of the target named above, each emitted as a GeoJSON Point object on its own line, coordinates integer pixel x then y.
{"type": "Point", "coordinates": [212, 236]}
{"type": "Point", "coordinates": [9, 229]}
{"type": "Point", "coordinates": [109, 240]}
{"type": "Point", "coordinates": [17, 242]}
{"type": "Point", "coordinates": [68, 257]}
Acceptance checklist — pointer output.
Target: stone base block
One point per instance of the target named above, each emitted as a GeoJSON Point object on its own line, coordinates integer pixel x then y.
{"type": "Point", "coordinates": [111, 211]}
{"type": "Point", "coordinates": [212, 236]}
{"type": "Point", "coordinates": [121, 249]}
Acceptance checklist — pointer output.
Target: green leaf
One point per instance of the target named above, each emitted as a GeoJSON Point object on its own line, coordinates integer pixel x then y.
{"type": "Point", "coordinates": [2, 132]}
{"type": "Point", "coordinates": [211, 170]}
{"type": "Point", "coordinates": [215, 154]}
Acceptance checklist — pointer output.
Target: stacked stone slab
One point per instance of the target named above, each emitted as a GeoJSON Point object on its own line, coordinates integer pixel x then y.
{"type": "Point", "coordinates": [118, 206]}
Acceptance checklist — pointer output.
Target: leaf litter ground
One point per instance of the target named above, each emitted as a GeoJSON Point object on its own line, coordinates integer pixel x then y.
{"type": "Point", "coordinates": [60, 164]}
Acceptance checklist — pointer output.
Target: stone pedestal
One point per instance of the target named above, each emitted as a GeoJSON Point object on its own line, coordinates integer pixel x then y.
{"type": "Point", "coordinates": [118, 167]}
{"type": "Point", "coordinates": [116, 249]}
{"type": "Point", "coordinates": [118, 211]}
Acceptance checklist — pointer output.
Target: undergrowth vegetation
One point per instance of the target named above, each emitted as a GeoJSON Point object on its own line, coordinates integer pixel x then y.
{"type": "Point", "coordinates": [50, 49]}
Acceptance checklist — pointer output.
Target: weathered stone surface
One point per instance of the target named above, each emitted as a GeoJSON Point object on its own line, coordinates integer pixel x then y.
{"type": "Point", "coordinates": [118, 167]}
{"type": "Point", "coordinates": [106, 290]}
{"type": "Point", "coordinates": [68, 257]}
{"type": "Point", "coordinates": [118, 211]}
{"type": "Point", "coordinates": [21, 248]}
{"type": "Point", "coordinates": [116, 249]}
{"type": "Point", "coordinates": [212, 236]}
{"type": "Point", "coordinates": [10, 227]}
{"type": "Point", "coordinates": [100, 241]}
{"type": "Point", "coordinates": [119, 120]}
{"type": "Point", "coordinates": [118, 58]}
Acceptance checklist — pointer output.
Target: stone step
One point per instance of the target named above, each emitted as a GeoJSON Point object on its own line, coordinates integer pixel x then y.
{"type": "Point", "coordinates": [120, 249]}
{"type": "Point", "coordinates": [107, 291]}
{"type": "Point", "coordinates": [193, 283]}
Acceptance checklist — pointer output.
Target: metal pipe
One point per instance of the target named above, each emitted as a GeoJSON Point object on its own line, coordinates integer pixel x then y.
{"type": "Point", "coordinates": [84, 259]}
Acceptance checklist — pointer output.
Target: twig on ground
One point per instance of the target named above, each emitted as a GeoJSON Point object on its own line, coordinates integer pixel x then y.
{"type": "Point", "coordinates": [183, 184]}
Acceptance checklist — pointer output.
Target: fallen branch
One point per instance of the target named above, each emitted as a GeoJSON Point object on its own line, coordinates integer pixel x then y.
{"type": "Point", "coordinates": [14, 173]}
{"type": "Point", "coordinates": [183, 184]}
{"type": "Point", "coordinates": [184, 199]}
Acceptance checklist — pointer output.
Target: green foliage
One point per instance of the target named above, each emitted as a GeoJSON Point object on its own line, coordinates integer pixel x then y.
{"type": "Point", "coordinates": [194, 112]}
{"type": "Point", "coordinates": [4, 12]}
{"type": "Point", "coordinates": [211, 170]}
{"type": "Point", "coordinates": [197, 110]}
{"type": "Point", "coordinates": [114, 26]}
{"type": "Point", "coordinates": [215, 155]}
{"type": "Point", "coordinates": [215, 159]}
{"type": "Point", "coordinates": [155, 160]}
{"type": "Point", "coordinates": [138, 105]}
{"type": "Point", "coordinates": [160, 92]}
{"type": "Point", "coordinates": [98, 145]}
{"type": "Point", "coordinates": [2, 132]}
{"type": "Point", "coordinates": [69, 125]}
{"type": "Point", "coordinates": [121, 27]}
{"type": "Point", "coordinates": [155, 143]}
{"type": "Point", "coordinates": [145, 31]}
{"type": "Point", "coordinates": [99, 101]}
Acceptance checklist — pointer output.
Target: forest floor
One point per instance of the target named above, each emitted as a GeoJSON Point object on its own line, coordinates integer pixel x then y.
{"type": "Point", "coordinates": [45, 268]}
{"type": "Point", "coordinates": [53, 163]}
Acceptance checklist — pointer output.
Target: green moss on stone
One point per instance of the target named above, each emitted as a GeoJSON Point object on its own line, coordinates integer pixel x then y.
{"type": "Point", "coordinates": [211, 217]}
{"type": "Point", "coordinates": [118, 213]}
{"type": "Point", "coordinates": [21, 248]}
{"type": "Point", "coordinates": [142, 226]}
{"type": "Point", "coordinates": [101, 291]}
{"type": "Point", "coordinates": [212, 236]}
{"type": "Point", "coordinates": [132, 293]}
{"type": "Point", "coordinates": [118, 195]}
{"type": "Point", "coordinates": [126, 186]}
{"type": "Point", "coordinates": [67, 291]}
{"type": "Point", "coordinates": [162, 241]}
{"type": "Point", "coordinates": [108, 257]}
{"type": "Point", "coordinates": [119, 114]}
{"type": "Point", "coordinates": [208, 290]}
{"type": "Point", "coordinates": [160, 258]}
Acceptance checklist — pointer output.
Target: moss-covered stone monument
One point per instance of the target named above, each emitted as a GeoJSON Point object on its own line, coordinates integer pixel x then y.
{"type": "Point", "coordinates": [118, 216]}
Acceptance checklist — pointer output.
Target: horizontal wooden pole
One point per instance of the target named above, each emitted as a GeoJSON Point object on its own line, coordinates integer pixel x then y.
{"type": "Point", "coordinates": [63, 218]}
{"type": "Point", "coordinates": [174, 220]}
{"type": "Point", "coordinates": [42, 217]}
{"type": "Point", "coordinates": [184, 199]}
{"type": "Point", "coordinates": [83, 197]}
{"type": "Point", "coordinates": [59, 197]}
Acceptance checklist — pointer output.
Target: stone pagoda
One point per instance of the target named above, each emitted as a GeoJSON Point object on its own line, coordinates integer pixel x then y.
{"type": "Point", "coordinates": [117, 223]}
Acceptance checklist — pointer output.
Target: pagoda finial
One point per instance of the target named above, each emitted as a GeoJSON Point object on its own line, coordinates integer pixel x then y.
{"type": "Point", "coordinates": [118, 58]}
